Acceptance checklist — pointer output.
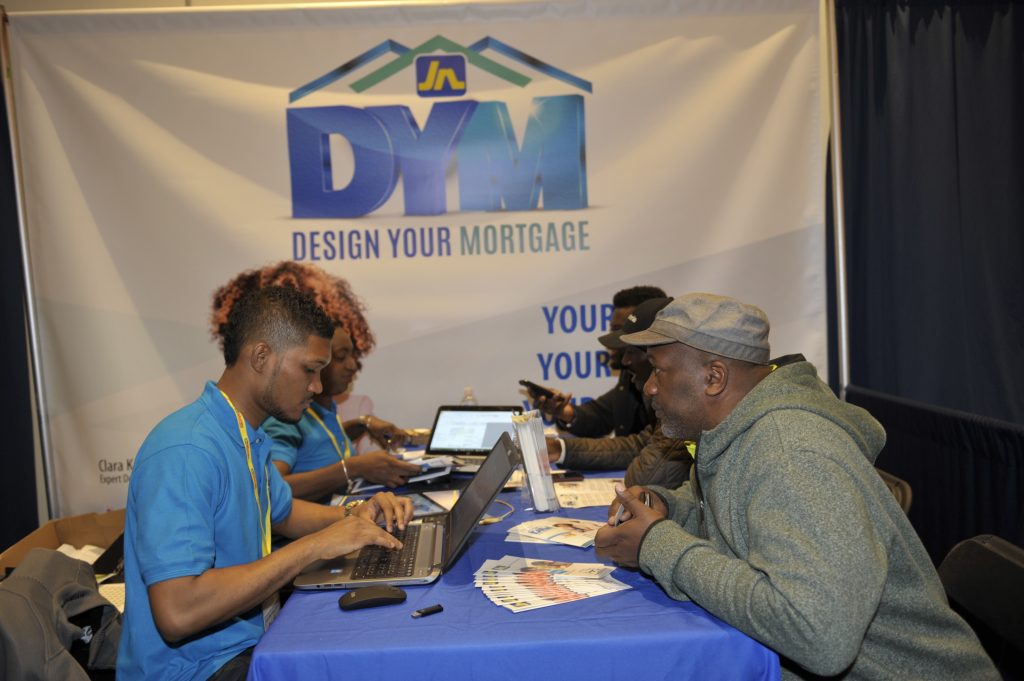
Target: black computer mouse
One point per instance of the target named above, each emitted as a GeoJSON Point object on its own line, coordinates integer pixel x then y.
{"type": "Point", "coordinates": [371, 596]}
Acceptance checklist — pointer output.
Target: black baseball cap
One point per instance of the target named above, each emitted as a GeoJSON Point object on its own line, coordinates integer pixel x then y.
{"type": "Point", "coordinates": [639, 319]}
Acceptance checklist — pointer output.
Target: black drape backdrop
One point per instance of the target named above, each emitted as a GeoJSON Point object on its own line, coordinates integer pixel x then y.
{"type": "Point", "coordinates": [932, 111]}
{"type": "Point", "coordinates": [932, 105]}
{"type": "Point", "coordinates": [17, 482]}
{"type": "Point", "coordinates": [967, 470]}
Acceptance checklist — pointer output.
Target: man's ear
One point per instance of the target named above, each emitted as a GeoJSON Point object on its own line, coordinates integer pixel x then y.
{"type": "Point", "coordinates": [259, 356]}
{"type": "Point", "coordinates": [716, 378]}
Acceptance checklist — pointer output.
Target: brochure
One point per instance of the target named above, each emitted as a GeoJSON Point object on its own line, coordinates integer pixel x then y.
{"type": "Point", "coordinates": [570, 531]}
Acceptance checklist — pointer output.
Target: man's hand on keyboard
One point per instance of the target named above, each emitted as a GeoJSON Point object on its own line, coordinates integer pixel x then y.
{"type": "Point", "coordinates": [394, 511]}
{"type": "Point", "coordinates": [350, 534]}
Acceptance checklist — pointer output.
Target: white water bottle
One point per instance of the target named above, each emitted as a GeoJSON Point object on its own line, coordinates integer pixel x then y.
{"type": "Point", "coordinates": [468, 398]}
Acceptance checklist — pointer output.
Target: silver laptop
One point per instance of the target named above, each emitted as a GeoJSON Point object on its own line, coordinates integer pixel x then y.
{"type": "Point", "coordinates": [431, 545]}
{"type": "Point", "coordinates": [469, 432]}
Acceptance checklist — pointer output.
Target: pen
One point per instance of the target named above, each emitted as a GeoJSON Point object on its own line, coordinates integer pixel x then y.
{"type": "Point", "coordinates": [618, 515]}
{"type": "Point", "coordinates": [645, 497]}
{"type": "Point", "coordinates": [423, 612]}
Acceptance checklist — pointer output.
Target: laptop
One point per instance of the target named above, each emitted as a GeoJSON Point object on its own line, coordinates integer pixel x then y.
{"type": "Point", "coordinates": [469, 432]}
{"type": "Point", "coordinates": [437, 542]}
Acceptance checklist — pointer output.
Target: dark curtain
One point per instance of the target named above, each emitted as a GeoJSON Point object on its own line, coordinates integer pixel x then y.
{"type": "Point", "coordinates": [933, 158]}
{"type": "Point", "coordinates": [966, 471]}
{"type": "Point", "coordinates": [932, 105]}
{"type": "Point", "coordinates": [18, 482]}
{"type": "Point", "coordinates": [933, 162]}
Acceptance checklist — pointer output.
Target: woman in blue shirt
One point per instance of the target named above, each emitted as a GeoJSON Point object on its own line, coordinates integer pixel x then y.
{"type": "Point", "coordinates": [314, 456]}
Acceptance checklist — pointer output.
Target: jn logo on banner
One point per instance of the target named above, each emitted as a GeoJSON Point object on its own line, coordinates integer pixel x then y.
{"type": "Point", "coordinates": [494, 168]}
{"type": "Point", "coordinates": [441, 76]}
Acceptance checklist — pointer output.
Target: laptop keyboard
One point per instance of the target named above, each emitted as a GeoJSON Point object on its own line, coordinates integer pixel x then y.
{"type": "Point", "coordinates": [377, 561]}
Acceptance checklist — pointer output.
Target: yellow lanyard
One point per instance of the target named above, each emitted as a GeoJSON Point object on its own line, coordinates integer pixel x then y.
{"type": "Point", "coordinates": [348, 450]}
{"type": "Point", "coordinates": [264, 518]}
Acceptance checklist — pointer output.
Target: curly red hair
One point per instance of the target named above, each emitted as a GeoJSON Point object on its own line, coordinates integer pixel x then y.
{"type": "Point", "coordinates": [332, 293]}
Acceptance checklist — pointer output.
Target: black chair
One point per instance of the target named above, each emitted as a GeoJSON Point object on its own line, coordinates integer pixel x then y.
{"type": "Point", "coordinates": [984, 580]}
{"type": "Point", "coordinates": [900, 489]}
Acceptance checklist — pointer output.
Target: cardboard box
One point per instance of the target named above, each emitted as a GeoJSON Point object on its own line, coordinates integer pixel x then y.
{"type": "Point", "coordinates": [98, 529]}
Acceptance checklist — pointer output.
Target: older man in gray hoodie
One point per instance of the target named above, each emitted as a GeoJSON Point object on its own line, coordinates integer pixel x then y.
{"type": "Point", "coordinates": [784, 530]}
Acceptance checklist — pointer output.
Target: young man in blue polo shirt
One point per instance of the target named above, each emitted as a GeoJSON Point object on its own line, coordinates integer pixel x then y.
{"type": "Point", "coordinates": [201, 579]}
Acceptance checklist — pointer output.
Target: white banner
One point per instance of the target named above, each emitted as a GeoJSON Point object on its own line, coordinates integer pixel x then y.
{"type": "Point", "coordinates": [486, 176]}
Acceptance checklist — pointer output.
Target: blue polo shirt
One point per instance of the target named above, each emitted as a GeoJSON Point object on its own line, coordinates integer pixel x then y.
{"type": "Point", "coordinates": [304, 446]}
{"type": "Point", "coordinates": [191, 507]}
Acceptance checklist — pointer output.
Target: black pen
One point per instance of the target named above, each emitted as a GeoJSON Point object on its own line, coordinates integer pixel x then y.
{"type": "Point", "coordinates": [423, 612]}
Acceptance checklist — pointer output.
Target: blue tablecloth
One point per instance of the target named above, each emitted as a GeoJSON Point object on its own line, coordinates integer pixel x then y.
{"type": "Point", "coordinates": [635, 634]}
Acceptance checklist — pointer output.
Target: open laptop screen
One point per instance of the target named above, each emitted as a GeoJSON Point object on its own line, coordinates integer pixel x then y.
{"type": "Point", "coordinates": [470, 430]}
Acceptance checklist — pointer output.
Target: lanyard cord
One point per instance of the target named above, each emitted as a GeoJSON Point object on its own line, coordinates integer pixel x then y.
{"type": "Point", "coordinates": [334, 441]}
{"type": "Point", "coordinates": [264, 518]}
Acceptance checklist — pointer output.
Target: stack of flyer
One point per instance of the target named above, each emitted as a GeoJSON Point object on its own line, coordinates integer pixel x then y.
{"type": "Point", "coordinates": [570, 531]}
{"type": "Point", "coordinates": [520, 584]}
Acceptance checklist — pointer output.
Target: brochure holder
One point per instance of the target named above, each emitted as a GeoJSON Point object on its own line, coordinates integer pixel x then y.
{"type": "Point", "coordinates": [530, 435]}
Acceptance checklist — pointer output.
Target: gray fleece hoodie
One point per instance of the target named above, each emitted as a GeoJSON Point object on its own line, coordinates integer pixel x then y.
{"type": "Point", "coordinates": [803, 547]}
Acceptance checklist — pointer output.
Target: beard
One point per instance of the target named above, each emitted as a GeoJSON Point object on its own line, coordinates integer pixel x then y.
{"type": "Point", "coordinates": [270, 404]}
{"type": "Point", "coordinates": [679, 426]}
{"type": "Point", "coordinates": [278, 413]}
{"type": "Point", "coordinates": [674, 428]}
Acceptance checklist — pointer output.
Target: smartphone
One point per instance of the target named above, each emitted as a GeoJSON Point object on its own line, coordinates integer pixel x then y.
{"type": "Point", "coordinates": [536, 390]}
{"type": "Point", "coordinates": [424, 506]}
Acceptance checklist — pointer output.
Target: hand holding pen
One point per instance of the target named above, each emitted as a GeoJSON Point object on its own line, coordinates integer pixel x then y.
{"type": "Point", "coordinates": [618, 512]}
{"type": "Point", "coordinates": [620, 540]}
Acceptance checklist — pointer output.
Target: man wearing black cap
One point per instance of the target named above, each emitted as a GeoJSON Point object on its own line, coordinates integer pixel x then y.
{"type": "Point", "coordinates": [784, 530]}
{"type": "Point", "coordinates": [649, 457]}
{"type": "Point", "coordinates": [621, 409]}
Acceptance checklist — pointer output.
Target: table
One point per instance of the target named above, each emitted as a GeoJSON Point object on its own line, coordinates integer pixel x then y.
{"type": "Point", "coordinates": [636, 634]}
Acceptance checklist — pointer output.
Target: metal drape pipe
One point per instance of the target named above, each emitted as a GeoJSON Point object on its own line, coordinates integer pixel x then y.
{"type": "Point", "coordinates": [52, 505]}
{"type": "Point", "coordinates": [839, 221]}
